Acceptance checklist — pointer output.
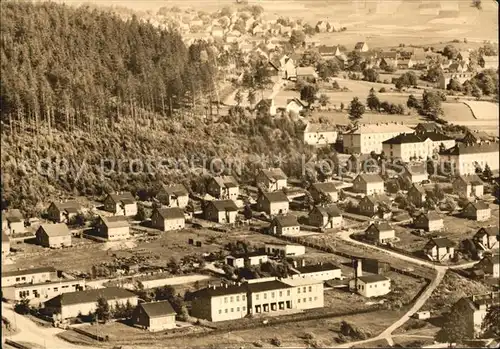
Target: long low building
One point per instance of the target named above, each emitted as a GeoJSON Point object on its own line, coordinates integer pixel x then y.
{"type": "Point", "coordinates": [43, 291]}
{"type": "Point", "coordinates": [34, 275]}
{"type": "Point", "coordinates": [463, 159]}
{"type": "Point", "coordinates": [231, 302]}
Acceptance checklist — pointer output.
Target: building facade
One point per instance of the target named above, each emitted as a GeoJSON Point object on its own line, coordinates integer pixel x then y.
{"type": "Point", "coordinates": [369, 137]}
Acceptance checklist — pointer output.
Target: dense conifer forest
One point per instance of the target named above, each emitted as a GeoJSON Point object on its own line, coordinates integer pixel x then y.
{"type": "Point", "coordinates": [80, 86]}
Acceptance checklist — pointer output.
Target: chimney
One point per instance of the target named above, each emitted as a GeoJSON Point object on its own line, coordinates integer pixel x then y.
{"type": "Point", "coordinates": [359, 268]}
{"type": "Point", "coordinates": [303, 263]}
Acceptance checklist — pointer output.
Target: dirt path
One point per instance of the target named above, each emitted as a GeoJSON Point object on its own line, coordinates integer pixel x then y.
{"type": "Point", "coordinates": [30, 332]}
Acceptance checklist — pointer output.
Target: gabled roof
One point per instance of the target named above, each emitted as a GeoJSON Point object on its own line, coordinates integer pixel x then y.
{"type": "Point", "coordinates": [368, 279]}
{"type": "Point", "coordinates": [479, 205]}
{"type": "Point", "coordinates": [405, 138]}
{"type": "Point", "coordinates": [431, 216]}
{"type": "Point", "coordinates": [329, 211]}
{"type": "Point", "coordinates": [126, 198]}
{"type": "Point", "coordinates": [377, 198]}
{"type": "Point", "coordinates": [490, 231]}
{"type": "Point", "coordinates": [326, 187]}
{"type": "Point", "coordinates": [157, 309]}
{"type": "Point", "coordinates": [286, 221]}
{"type": "Point", "coordinates": [359, 45]}
{"type": "Point", "coordinates": [57, 229]}
{"type": "Point", "coordinates": [29, 271]}
{"type": "Point", "coordinates": [267, 286]}
{"type": "Point", "coordinates": [419, 188]}
{"type": "Point", "coordinates": [224, 205]}
{"type": "Point", "coordinates": [320, 127]}
{"type": "Point", "coordinates": [226, 181]}
{"type": "Point", "coordinates": [416, 169]}
{"type": "Point", "coordinates": [175, 190]}
{"type": "Point", "coordinates": [477, 148]}
{"type": "Point", "coordinates": [115, 221]}
{"type": "Point", "coordinates": [380, 128]}
{"type": "Point", "coordinates": [381, 226]}
{"type": "Point", "coordinates": [314, 268]}
{"type": "Point", "coordinates": [440, 242]}
{"type": "Point", "coordinates": [370, 178]}
{"type": "Point", "coordinates": [277, 196]}
{"type": "Point", "coordinates": [436, 136]}
{"type": "Point", "coordinates": [471, 179]}
{"type": "Point", "coordinates": [89, 296]}
{"type": "Point", "coordinates": [429, 126]}
{"type": "Point", "coordinates": [323, 49]}
{"type": "Point", "coordinates": [71, 206]}
{"type": "Point", "coordinates": [475, 301]}
{"type": "Point", "coordinates": [170, 213]}
{"type": "Point", "coordinates": [13, 215]}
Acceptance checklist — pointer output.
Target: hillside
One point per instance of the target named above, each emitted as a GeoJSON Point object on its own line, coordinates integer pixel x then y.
{"type": "Point", "coordinates": [82, 89]}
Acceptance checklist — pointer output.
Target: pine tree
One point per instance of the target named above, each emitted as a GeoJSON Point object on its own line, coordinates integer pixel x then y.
{"type": "Point", "coordinates": [356, 109]}
{"type": "Point", "coordinates": [372, 101]}
{"type": "Point", "coordinates": [103, 311]}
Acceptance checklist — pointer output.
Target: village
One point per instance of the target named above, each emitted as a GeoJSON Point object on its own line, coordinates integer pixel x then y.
{"type": "Point", "coordinates": [399, 208]}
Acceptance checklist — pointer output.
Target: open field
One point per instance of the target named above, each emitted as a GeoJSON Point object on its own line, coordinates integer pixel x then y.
{"type": "Point", "coordinates": [483, 110]}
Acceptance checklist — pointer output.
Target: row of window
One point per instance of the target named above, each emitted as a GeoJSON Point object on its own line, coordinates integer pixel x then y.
{"type": "Point", "coordinates": [232, 298]}
{"type": "Point", "coordinates": [26, 293]}
{"type": "Point", "coordinates": [257, 295]}
{"type": "Point", "coordinates": [304, 289]}
{"type": "Point", "coordinates": [227, 310]}
{"type": "Point", "coordinates": [304, 300]}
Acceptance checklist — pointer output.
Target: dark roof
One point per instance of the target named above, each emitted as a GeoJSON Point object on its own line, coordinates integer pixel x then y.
{"type": "Point", "coordinates": [370, 177]}
{"type": "Point", "coordinates": [476, 148]}
{"type": "Point", "coordinates": [327, 187]}
{"type": "Point", "coordinates": [89, 296]}
{"type": "Point", "coordinates": [375, 199]}
{"type": "Point", "coordinates": [382, 226]}
{"type": "Point", "coordinates": [57, 229]}
{"type": "Point", "coordinates": [274, 173]}
{"type": "Point", "coordinates": [215, 291]}
{"type": "Point", "coordinates": [359, 45]}
{"type": "Point", "coordinates": [330, 210]}
{"type": "Point", "coordinates": [71, 206]}
{"type": "Point", "coordinates": [13, 215]}
{"type": "Point", "coordinates": [419, 188]}
{"type": "Point", "coordinates": [471, 179]}
{"type": "Point", "coordinates": [491, 231]}
{"type": "Point", "coordinates": [441, 242]}
{"type": "Point", "coordinates": [287, 221]}
{"type": "Point", "coordinates": [479, 205]}
{"type": "Point", "coordinates": [313, 268]}
{"type": "Point", "coordinates": [431, 216]}
{"type": "Point", "coordinates": [277, 196]}
{"type": "Point", "coordinates": [126, 198]}
{"type": "Point", "coordinates": [247, 255]}
{"type": "Point", "coordinates": [267, 286]}
{"type": "Point", "coordinates": [175, 189]}
{"type": "Point", "coordinates": [224, 205]}
{"type": "Point", "coordinates": [476, 301]}
{"type": "Point", "coordinates": [156, 309]}
{"type": "Point", "coordinates": [327, 49]}
{"type": "Point", "coordinates": [436, 136]}
{"type": "Point", "coordinates": [170, 213]}
{"type": "Point", "coordinates": [405, 138]}
{"type": "Point", "coordinates": [29, 271]}
{"type": "Point", "coordinates": [226, 181]}
{"type": "Point", "coordinates": [368, 279]}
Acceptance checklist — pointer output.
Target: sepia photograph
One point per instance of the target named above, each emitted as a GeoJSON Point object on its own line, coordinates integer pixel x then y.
{"type": "Point", "coordinates": [235, 174]}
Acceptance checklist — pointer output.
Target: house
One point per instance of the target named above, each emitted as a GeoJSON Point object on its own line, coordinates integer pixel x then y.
{"type": "Point", "coordinates": [361, 47]}
{"type": "Point", "coordinates": [468, 186]}
{"type": "Point", "coordinates": [284, 225]}
{"type": "Point", "coordinates": [174, 196]}
{"type": "Point", "coordinates": [472, 137]}
{"type": "Point", "coordinates": [113, 228]}
{"type": "Point", "coordinates": [490, 264]}
{"type": "Point", "coordinates": [479, 211]}
{"type": "Point", "coordinates": [221, 211]}
{"type": "Point", "coordinates": [368, 184]}
{"type": "Point", "coordinates": [306, 73]}
{"type": "Point", "coordinates": [284, 250]}
{"type": "Point", "coordinates": [73, 304]}
{"type": "Point", "coordinates": [408, 146]}
{"type": "Point", "coordinates": [155, 316]}
{"type": "Point", "coordinates": [63, 212]}
{"type": "Point", "coordinates": [271, 179]}
{"type": "Point", "coordinates": [358, 163]}
{"type": "Point", "coordinates": [371, 285]}
{"type": "Point", "coordinates": [458, 67]}
{"type": "Point", "coordinates": [28, 276]}
{"type": "Point", "coordinates": [167, 219]}
{"type": "Point", "coordinates": [444, 79]}
{"type": "Point", "coordinates": [430, 221]}
{"type": "Point", "coordinates": [122, 204]}
{"type": "Point", "coordinates": [326, 189]}
{"type": "Point", "coordinates": [37, 293]}
{"type": "Point", "coordinates": [320, 134]}
{"type": "Point", "coordinates": [488, 62]}
{"type": "Point", "coordinates": [328, 52]}
{"type": "Point", "coordinates": [417, 195]}
{"type": "Point", "coordinates": [464, 158]}
{"type": "Point", "coordinates": [380, 232]}
{"type": "Point", "coordinates": [53, 235]}
{"type": "Point", "coordinates": [295, 106]}
{"type": "Point", "coordinates": [15, 222]}
{"type": "Point", "coordinates": [370, 205]}
{"type": "Point", "coordinates": [223, 187]}
{"type": "Point", "coordinates": [321, 271]}
{"type": "Point", "coordinates": [439, 140]}
{"type": "Point", "coordinates": [266, 106]}
{"type": "Point", "coordinates": [415, 173]}
{"type": "Point", "coordinates": [473, 310]}
{"type": "Point", "coordinates": [366, 138]}
{"type": "Point", "coordinates": [401, 63]}
{"type": "Point", "coordinates": [486, 238]}
{"type": "Point", "coordinates": [326, 217]}
{"type": "Point", "coordinates": [5, 244]}
{"type": "Point", "coordinates": [439, 249]}
{"type": "Point", "coordinates": [241, 260]}
{"type": "Point", "coordinates": [227, 302]}
{"type": "Point", "coordinates": [425, 127]}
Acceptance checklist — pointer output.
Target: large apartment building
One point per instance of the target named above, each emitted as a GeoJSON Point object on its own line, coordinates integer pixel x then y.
{"type": "Point", "coordinates": [369, 137]}
{"type": "Point", "coordinates": [464, 158]}
{"type": "Point", "coordinates": [230, 302]}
